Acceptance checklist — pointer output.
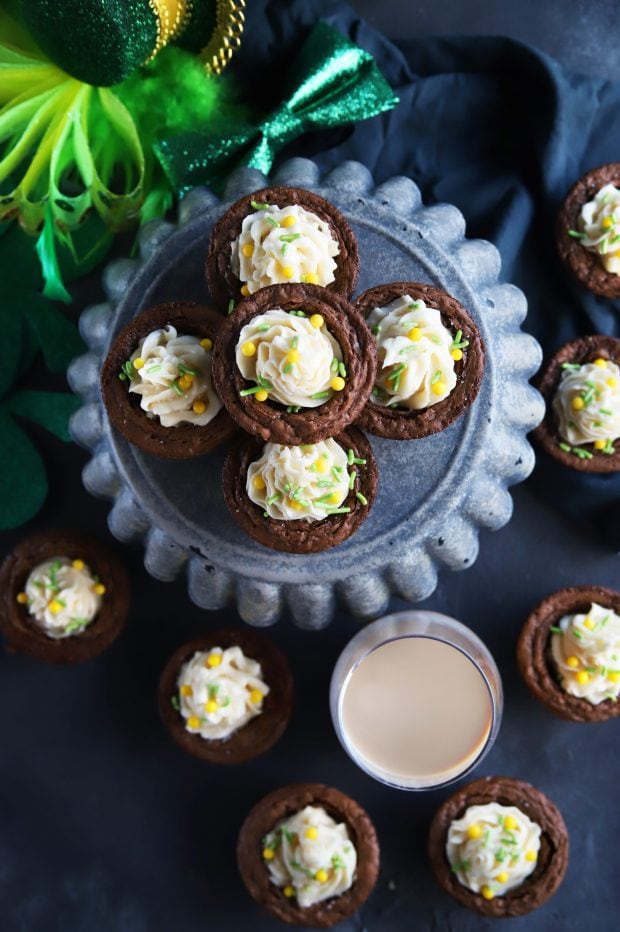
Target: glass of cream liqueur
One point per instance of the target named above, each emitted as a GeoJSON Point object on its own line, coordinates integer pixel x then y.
{"type": "Point", "coordinates": [416, 700]}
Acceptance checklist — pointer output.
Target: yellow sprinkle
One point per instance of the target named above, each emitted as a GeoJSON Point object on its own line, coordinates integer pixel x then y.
{"type": "Point", "coordinates": [503, 877]}
{"type": "Point", "coordinates": [213, 660]}
{"type": "Point", "coordinates": [256, 696]}
{"type": "Point", "coordinates": [337, 383]}
{"type": "Point", "coordinates": [607, 223]}
{"type": "Point", "coordinates": [206, 343]}
{"type": "Point", "coordinates": [22, 598]}
{"type": "Point", "coordinates": [138, 363]}
{"type": "Point", "coordinates": [258, 482]}
{"type": "Point", "coordinates": [288, 221]}
{"type": "Point", "coordinates": [199, 407]}
{"type": "Point", "coordinates": [334, 499]}
{"type": "Point", "coordinates": [186, 690]}
{"type": "Point", "coordinates": [245, 291]}
{"type": "Point", "coordinates": [582, 677]}
{"type": "Point", "coordinates": [438, 388]}
{"type": "Point", "coordinates": [211, 706]}
{"type": "Point", "coordinates": [294, 504]}
{"type": "Point", "coordinates": [321, 464]}
{"type": "Point", "coordinates": [247, 249]}
{"type": "Point", "coordinates": [588, 623]}
{"type": "Point", "coordinates": [317, 320]}
{"type": "Point", "coordinates": [99, 588]}
{"type": "Point", "coordinates": [487, 892]}
{"type": "Point", "coordinates": [577, 404]}
{"type": "Point", "coordinates": [572, 661]}
{"type": "Point", "coordinates": [612, 382]}
{"type": "Point", "coordinates": [185, 382]}
{"type": "Point", "coordinates": [415, 334]}
{"type": "Point", "coordinates": [312, 278]}
{"type": "Point", "coordinates": [293, 356]}
{"type": "Point", "coordinates": [601, 363]}
{"type": "Point", "coordinates": [288, 890]}
{"type": "Point", "coordinates": [510, 823]}
{"type": "Point", "coordinates": [78, 565]}
{"type": "Point", "coordinates": [193, 722]}
{"type": "Point", "coordinates": [474, 831]}
{"type": "Point", "coordinates": [616, 254]}
{"type": "Point", "coordinates": [456, 354]}
{"type": "Point", "coordinates": [261, 395]}
{"type": "Point", "coordinates": [55, 607]}
{"type": "Point", "coordinates": [613, 677]}
{"type": "Point", "coordinates": [248, 348]}
{"type": "Point", "coordinates": [321, 875]}
{"type": "Point", "coordinates": [287, 270]}
{"type": "Point", "coordinates": [531, 856]}
{"type": "Point", "coordinates": [268, 854]}
{"type": "Point", "coordinates": [600, 444]}
{"type": "Point", "coordinates": [312, 832]}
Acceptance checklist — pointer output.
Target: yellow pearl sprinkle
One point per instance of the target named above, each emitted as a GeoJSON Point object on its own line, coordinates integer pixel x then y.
{"type": "Point", "coordinates": [294, 504]}
{"type": "Point", "coordinates": [312, 832]}
{"type": "Point", "coordinates": [193, 722]}
{"type": "Point", "coordinates": [577, 404]}
{"type": "Point", "coordinates": [206, 343]}
{"type": "Point", "coordinates": [78, 565]}
{"type": "Point", "coordinates": [531, 856]}
{"type": "Point", "coordinates": [588, 623]}
{"type": "Point", "coordinates": [211, 706]}
{"type": "Point", "coordinates": [616, 254]}
{"type": "Point", "coordinates": [613, 677]}
{"type": "Point", "coordinates": [503, 877]}
{"type": "Point", "coordinates": [199, 407]}
{"type": "Point", "coordinates": [55, 607]}
{"type": "Point", "coordinates": [293, 356]}
{"type": "Point", "coordinates": [438, 388]}
{"type": "Point", "coordinates": [261, 395]}
{"type": "Point", "coordinates": [312, 278]}
{"type": "Point", "coordinates": [287, 271]}
{"type": "Point", "coordinates": [582, 677]}
{"type": "Point", "coordinates": [256, 696]}
{"type": "Point", "coordinates": [99, 589]}
{"type": "Point", "coordinates": [600, 444]}
{"type": "Point", "coordinates": [572, 661]}
{"type": "Point", "coordinates": [321, 875]}
{"type": "Point", "coordinates": [138, 363]}
{"type": "Point", "coordinates": [612, 382]}
{"type": "Point", "coordinates": [288, 891]}
{"type": "Point", "coordinates": [248, 348]}
{"type": "Point", "coordinates": [607, 223]}
{"type": "Point", "coordinates": [317, 320]}
{"type": "Point", "coordinates": [245, 291]}
{"type": "Point", "coordinates": [186, 690]}
{"type": "Point", "coordinates": [288, 221]}
{"type": "Point", "coordinates": [213, 660]}
{"type": "Point", "coordinates": [247, 249]}
{"type": "Point", "coordinates": [268, 854]}
{"type": "Point", "coordinates": [457, 354]}
{"type": "Point", "coordinates": [510, 823]}
{"type": "Point", "coordinates": [185, 382]}
{"type": "Point", "coordinates": [601, 363]}
{"type": "Point", "coordinates": [258, 482]}
{"type": "Point", "coordinates": [487, 892]}
{"type": "Point", "coordinates": [334, 499]}
{"type": "Point", "coordinates": [474, 831]}
{"type": "Point", "coordinates": [415, 334]}
{"type": "Point", "coordinates": [337, 383]}
{"type": "Point", "coordinates": [22, 598]}
{"type": "Point", "coordinates": [320, 464]}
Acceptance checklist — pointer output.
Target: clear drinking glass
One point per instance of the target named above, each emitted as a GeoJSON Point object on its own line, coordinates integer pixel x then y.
{"type": "Point", "coordinates": [403, 712]}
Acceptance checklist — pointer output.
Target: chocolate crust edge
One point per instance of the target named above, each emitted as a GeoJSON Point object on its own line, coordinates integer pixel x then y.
{"type": "Point", "coordinates": [397, 424]}
{"type": "Point", "coordinates": [261, 732]}
{"type": "Point", "coordinates": [553, 856]}
{"type": "Point", "coordinates": [286, 801]}
{"type": "Point", "coordinates": [535, 662]}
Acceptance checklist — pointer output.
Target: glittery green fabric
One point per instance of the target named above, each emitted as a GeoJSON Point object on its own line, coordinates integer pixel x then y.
{"type": "Point", "coordinates": [101, 42]}
{"type": "Point", "coordinates": [334, 82]}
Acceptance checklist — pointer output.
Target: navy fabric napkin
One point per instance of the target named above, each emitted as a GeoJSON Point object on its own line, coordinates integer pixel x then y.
{"type": "Point", "coordinates": [497, 128]}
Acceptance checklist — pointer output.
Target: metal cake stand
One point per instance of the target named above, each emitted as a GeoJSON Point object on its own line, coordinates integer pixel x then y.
{"type": "Point", "coordinates": [434, 494]}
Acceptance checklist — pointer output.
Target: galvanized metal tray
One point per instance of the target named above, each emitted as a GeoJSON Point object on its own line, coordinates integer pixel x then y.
{"type": "Point", "coordinates": [434, 494]}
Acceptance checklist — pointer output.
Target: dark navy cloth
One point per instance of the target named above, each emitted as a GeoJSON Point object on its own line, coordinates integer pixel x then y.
{"type": "Point", "coordinates": [497, 128]}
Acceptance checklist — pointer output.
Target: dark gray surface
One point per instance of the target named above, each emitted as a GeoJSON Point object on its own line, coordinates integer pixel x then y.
{"type": "Point", "coordinates": [106, 827]}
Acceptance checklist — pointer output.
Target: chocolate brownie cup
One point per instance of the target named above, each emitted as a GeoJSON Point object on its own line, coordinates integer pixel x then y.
{"type": "Point", "coordinates": [91, 566]}
{"type": "Point", "coordinates": [238, 665]}
{"type": "Point", "coordinates": [585, 264]}
{"type": "Point", "coordinates": [353, 481]}
{"type": "Point", "coordinates": [549, 851]}
{"type": "Point", "coordinates": [601, 356]}
{"type": "Point", "coordinates": [253, 854]}
{"type": "Point", "coordinates": [546, 674]}
{"type": "Point", "coordinates": [330, 346]}
{"type": "Point", "coordinates": [450, 346]}
{"type": "Point", "coordinates": [292, 245]}
{"type": "Point", "coordinates": [182, 440]}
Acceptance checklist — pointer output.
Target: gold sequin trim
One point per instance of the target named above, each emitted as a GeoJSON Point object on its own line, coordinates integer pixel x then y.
{"type": "Point", "coordinates": [226, 38]}
{"type": "Point", "coordinates": [172, 16]}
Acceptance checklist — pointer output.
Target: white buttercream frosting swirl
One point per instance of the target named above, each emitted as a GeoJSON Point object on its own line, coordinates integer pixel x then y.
{"type": "Point", "coordinates": [599, 226]}
{"type": "Point", "coordinates": [493, 848]}
{"type": "Point", "coordinates": [587, 403]}
{"type": "Point", "coordinates": [61, 596]}
{"type": "Point", "coordinates": [310, 481]}
{"type": "Point", "coordinates": [220, 691]}
{"type": "Point", "coordinates": [296, 360]}
{"type": "Point", "coordinates": [174, 378]}
{"type": "Point", "coordinates": [586, 651]}
{"type": "Point", "coordinates": [311, 856]}
{"type": "Point", "coordinates": [415, 366]}
{"type": "Point", "coordinates": [284, 244]}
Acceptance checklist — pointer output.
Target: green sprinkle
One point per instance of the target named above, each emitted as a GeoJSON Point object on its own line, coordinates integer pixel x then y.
{"type": "Point", "coordinates": [128, 370]}
{"type": "Point", "coordinates": [231, 306]}
{"type": "Point", "coordinates": [307, 447]}
{"type": "Point", "coordinates": [556, 629]}
{"type": "Point", "coordinates": [565, 447]}
{"type": "Point", "coordinates": [174, 702]}
{"type": "Point", "coordinates": [272, 222]}
{"type": "Point", "coordinates": [591, 669]}
{"type": "Point", "coordinates": [273, 498]}
{"type": "Point", "coordinates": [323, 500]}
{"type": "Point", "coordinates": [177, 388]}
{"type": "Point", "coordinates": [582, 454]}
{"type": "Point", "coordinates": [434, 339]}
{"type": "Point", "coordinates": [213, 690]}
{"type": "Point", "coordinates": [75, 624]}
{"type": "Point", "coordinates": [376, 330]}
{"type": "Point", "coordinates": [608, 448]}
{"type": "Point", "coordinates": [263, 383]}
{"type": "Point", "coordinates": [415, 305]}
{"type": "Point", "coordinates": [350, 457]}
{"type": "Point", "coordinates": [284, 248]}
{"type": "Point", "coordinates": [352, 477]}
{"type": "Point", "coordinates": [290, 836]}
{"type": "Point", "coordinates": [153, 369]}
{"type": "Point", "coordinates": [185, 370]}
{"type": "Point", "coordinates": [287, 368]}
{"type": "Point", "coordinates": [334, 365]}
{"type": "Point", "coordinates": [122, 376]}
{"type": "Point", "coordinates": [265, 515]}
{"type": "Point", "coordinates": [577, 633]}
{"type": "Point", "coordinates": [500, 855]}
{"type": "Point", "coordinates": [462, 866]}
{"type": "Point", "coordinates": [295, 342]}
{"type": "Point", "coordinates": [258, 206]}
{"type": "Point", "coordinates": [337, 862]}
{"type": "Point", "coordinates": [361, 498]}
{"type": "Point", "coordinates": [458, 342]}
{"type": "Point", "coordinates": [436, 377]}
{"type": "Point", "coordinates": [263, 328]}
{"type": "Point", "coordinates": [485, 840]}
{"type": "Point", "coordinates": [293, 409]}
{"type": "Point", "coordinates": [603, 246]}
{"type": "Point", "coordinates": [290, 237]}
{"type": "Point", "coordinates": [320, 395]}
{"type": "Point", "coordinates": [332, 510]}
{"type": "Point", "coordinates": [325, 484]}
{"type": "Point", "coordinates": [397, 372]}
{"type": "Point", "coordinates": [342, 370]}
{"type": "Point", "coordinates": [336, 472]}
{"type": "Point", "coordinates": [250, 391]}
{"type": "Point", "coordinates": [570, 365]}
{"type": "Point", "coordinates": [576, 234]}
{"type": "Point", "coordinates": [605, 411]}
{"type": "Point", "coordinates": [610, 696]}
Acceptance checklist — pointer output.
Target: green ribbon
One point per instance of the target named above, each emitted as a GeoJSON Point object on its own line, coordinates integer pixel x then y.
{"type": "Point", "coordinates": [333, 83]}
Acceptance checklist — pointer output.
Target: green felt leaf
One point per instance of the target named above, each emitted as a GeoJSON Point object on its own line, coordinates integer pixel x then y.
{"type": "Point", "coordinates": [51, 410]}
{"type": "Point", "coordinates": [57, 336]}
{"type": "Point", "coordinates": [10, 347]}
{"type": "Point", "coordinates": [24, 484]}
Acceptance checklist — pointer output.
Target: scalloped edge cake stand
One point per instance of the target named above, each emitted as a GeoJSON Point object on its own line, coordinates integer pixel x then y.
{"type": "Point", "coordinates": [409, 568]}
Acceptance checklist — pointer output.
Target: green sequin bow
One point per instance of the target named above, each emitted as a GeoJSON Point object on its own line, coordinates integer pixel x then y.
{"type": "Point", "coordinates": [334, 82]}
